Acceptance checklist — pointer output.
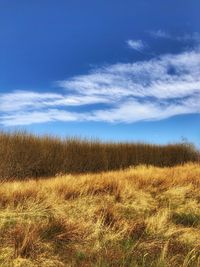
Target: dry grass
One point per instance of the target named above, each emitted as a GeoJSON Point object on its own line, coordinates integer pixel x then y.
{"type": "Point", "coordinates": [143, 216]}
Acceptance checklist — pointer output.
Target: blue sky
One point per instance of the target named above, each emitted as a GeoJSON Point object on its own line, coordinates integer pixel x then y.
{"type": "Point", "coordinates": [114, 70]}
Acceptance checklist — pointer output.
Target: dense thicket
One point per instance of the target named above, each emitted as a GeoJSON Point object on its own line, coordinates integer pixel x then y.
{"type": "Point", "coordinates": [24, 155]}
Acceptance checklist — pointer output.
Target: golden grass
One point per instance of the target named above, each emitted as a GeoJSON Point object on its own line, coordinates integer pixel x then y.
{"type": "Point", "coordinates": [143, 216]}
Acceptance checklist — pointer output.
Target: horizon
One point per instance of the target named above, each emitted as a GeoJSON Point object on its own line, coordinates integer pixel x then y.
{"type": "Point", "coordinates": [112, 71]}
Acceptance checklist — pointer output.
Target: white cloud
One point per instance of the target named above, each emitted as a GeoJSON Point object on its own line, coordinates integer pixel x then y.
{"type": "Point", "coordinates": [160, 34]}
{"type": "Point", "coordinates": [146, 90]}
{"type": "Point", "coordinates": [133, 111]}
{"type": "Point", "coordinates": [169, 76]}
{"type": "Point", "coordinates": [27, 117]}
{"type": "Point", "coordinates": [137, 45]}
{"type": "Point", "coordinates": [24, 118]}
{"type": "Point", "coordinates": [186, 37]}
{"type": "Point", "coordinates": [19, 100]}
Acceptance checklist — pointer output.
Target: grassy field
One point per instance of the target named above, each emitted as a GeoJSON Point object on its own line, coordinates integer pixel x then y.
{"type": "Point", "coordinates": [143, 216]}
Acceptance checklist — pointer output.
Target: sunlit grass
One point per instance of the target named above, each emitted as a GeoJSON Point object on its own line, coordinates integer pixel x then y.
{"type": "Point", "coordinates": [143, 216]}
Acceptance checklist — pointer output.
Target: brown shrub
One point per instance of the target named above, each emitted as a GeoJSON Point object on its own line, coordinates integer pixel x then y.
{"type": "Point", "coordinates": [24, 155]}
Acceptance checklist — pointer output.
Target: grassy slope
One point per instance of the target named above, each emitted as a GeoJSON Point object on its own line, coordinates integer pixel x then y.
{"type": "Point", "coordinates": [137, 217]}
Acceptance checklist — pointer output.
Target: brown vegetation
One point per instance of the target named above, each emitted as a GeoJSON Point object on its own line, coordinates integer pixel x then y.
{"type": "Point", "coordinates": [143, 216]}
{"type": "Point", "coordinates": [26, 156]}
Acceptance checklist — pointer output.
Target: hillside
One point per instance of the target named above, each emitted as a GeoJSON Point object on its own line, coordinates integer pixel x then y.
{"type": "Point", "coordinates": [143, 216]}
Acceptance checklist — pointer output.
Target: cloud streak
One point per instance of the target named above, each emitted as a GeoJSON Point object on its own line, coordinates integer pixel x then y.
{"type": "Point", "coordinates": [154, 89]}
{"type": "Point", "coordinates": [187, 37]}
{"type": "Point", "coordinates": [160, 34]}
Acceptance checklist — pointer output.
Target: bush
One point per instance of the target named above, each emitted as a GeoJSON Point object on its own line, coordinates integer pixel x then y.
{"type": "Point", "coordinates": [23, 155]}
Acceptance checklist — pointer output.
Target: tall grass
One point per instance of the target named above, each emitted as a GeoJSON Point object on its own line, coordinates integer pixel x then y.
{"type": "Point", "coordinates": [24, 155]}
{"type": "Point", "coordinates": [140, 217]}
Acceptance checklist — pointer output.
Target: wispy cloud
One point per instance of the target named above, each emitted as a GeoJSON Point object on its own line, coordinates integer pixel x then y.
{"type": "Point", "coordinates": [40, 116]}
{"type": "Point", "coordinates": [154, 89]}
{"type": "Point", "coordinates": [25, 100]}
{"type": "Point", "coordinates": [169, 76]}
{"type": "Point", "coordinates": [160, 34]}
{"type": "Point", "coordinates": [186, 37]}
{"type": "Point", "coordinates": [195, 37]}
{"type": "Point", "coordinates": [137, 45]}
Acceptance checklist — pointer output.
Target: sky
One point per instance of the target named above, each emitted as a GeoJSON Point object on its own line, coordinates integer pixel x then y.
{"type": "Point", "coordinates": [105, 69]}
